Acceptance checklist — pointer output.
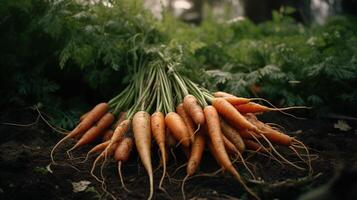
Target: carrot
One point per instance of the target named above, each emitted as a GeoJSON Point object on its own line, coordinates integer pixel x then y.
{"type": "Point", "coordinates": [229, 146]}
{"type": "Point", "coordinates": [178, 128]}
{"type": "Point", "coordinates": [94, 115]}
{"type": "Point", "coordinates": [194, 160]}
{"type": "Point", "coordinates": [118, 134]}
{"type": "Point", "coordinates": [252, 107]}
{"type": "Point", "coordinates": [99, 147]}
{"type": "Point", "coordinates": [142, 135]}
{"type": "Point", "coordinates": [197, 149]}
{"type": "Point", "coordinates": [272, 134]}
{"type": "Point", "coordinates": [193, 109]}
{"type": "Point", "coordinates": [222, 94]}
{"type": "Point", "coordinates": [107, 135]}
{"type": "Point", "coordinates": [121, 155]}
{"type": "Point", "coordinates": [237, 100]}
{"type": "Point", "coordinates": [229, 112]}
{"type": "Point", "coordinates": [123, 149]}
{"type": "Point", "coordinates": [247, 134]}
{"type": "Point", "coordinates": [96, 149]}
{"type": "Point", "coordinates": [95, 131]}
{"type": "Point", "coordinates": [232, 135]}
{"type": "Point", "coordinates": [158, 131]}
{"type": "Point", "coordinates": [216, 139]}
{"type": "Point", "coordinates": [252, 145]}
{"type": "Point", "coordinates": [187, 119]}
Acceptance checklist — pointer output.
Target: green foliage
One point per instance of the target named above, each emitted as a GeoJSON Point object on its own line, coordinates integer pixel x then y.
{"type": "Point", "coordinates": [49, 48]}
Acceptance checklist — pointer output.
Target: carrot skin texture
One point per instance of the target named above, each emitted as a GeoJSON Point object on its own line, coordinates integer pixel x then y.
{"type": "Point", "coordinates": [218, 148]}
{"type": "Point", "coordinates": [222, 94]}
{"type": "Point", "coordinates": [97, 130]}
{"type": "Point", "coordinates": [187, 119]}
{"type": "Point", "coordinates": [252, 107]}
{"type": "Point", "coordinates": [229, 146]}
{"type": "Point", "coordinates": [142, 134]}
{"type": "Point", "coordinates": [178, 128]}
{"type": "Point", "coordinates": [232, 135]}
{"type": "Point", "coordinates": [122, 151]}
{"type": "Point", "coordinates": [272, 134]}
{"type": "Point", "coordinates": [158, 128]}
{"type": "Point", "coordinates": [99, 147]}
{"type": "Point", "coordinates": [193, 109]}
{"type": "Point", "coordinates": [93, 116]}
{"type": "Point", "coordinates": [197, 149]}
{"type": "Point", "coordinates": [228, 112]}
{"type": "Point", "coordinates": [215, 135]}
{"type": "Point", "coordinates": [236, 101]}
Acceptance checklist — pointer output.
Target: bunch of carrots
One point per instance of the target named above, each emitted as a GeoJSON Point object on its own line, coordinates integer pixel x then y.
{"type": "Point", "coordinates": [161, 104]}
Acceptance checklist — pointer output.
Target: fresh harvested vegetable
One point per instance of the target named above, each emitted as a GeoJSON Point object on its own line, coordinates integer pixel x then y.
{"type": "Point", "coordinates": [178, 128]}
{"type": "Point", "coordinates": [187, 119]}
{"type": "Point", "coordinates": [215, 135]}
{"type": "Point", "coordinates": [229, 113]}
{"type": "Point", "coordinates": [158, 130]}
{"type": "Point", "coordinates": [232, 135]}
{"type": "Point", "coordinates": [142, 134]}
{"type": "Point", "coordinates": [193, 109]}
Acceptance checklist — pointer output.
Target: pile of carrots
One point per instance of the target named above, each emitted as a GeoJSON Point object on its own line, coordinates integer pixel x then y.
{"type": "Point", "coordinates": [162, 105]}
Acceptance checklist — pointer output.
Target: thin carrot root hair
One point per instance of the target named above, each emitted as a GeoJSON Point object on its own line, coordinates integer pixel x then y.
{"type": "Point", "coordinates": [281, 156]}
{"type": "Point", "coordinates": [56, 146]}
{"type": "Point", "coordinates": [178, 168]}
{"type": "Point", "coordinates": [121, 177]}
{"type": "Point", "coordinates": [173, 155]}
{"type": "Point", "coordinates": [306, 149]}
{"type": "Point", "coordinates": [183, 186]}
{"type": "Point", "coordinates": [267, 150]}
{"type": "Point", "coordinates": [94, 166]}
{"type": "Point", "coordinates": [282, 110]}
{"type": "Point", "coordinates": [246, 166]}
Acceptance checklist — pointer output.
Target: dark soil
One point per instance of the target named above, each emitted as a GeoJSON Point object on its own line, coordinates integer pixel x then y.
{"type": "Point", "coordinates": [25, 150]}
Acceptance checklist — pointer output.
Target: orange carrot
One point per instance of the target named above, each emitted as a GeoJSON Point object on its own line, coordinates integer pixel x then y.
{"type": "Point", "coordinates": [216, 139]}
{"type": "Point", "coordinates": [107, 135]}
{"type": "Point", "coordinates": [229, 112]}
{"type": "Point", "coordinates": [230, 148]}
{"type": "Point", "coordinates": [118, 134]}
{"type": "Point", "coordinates": [252, 145]}
{"type": "Point", "coordinates": [197, 149]}
{"type": "Point", "coordinates": [222, 94]}
{"type": "Point", "coordinates": [272, 134]}
{"type": "Point", "coordinates": [142, 135]}
{"type": "Point", "coordinates": [252, 107]}
{"type": "Point", "coordinates": [237, 100]}
{"type": "Point", "coordinates": [178, 128]}
{"type": "Point", "coordinates": [123, 149]}
{"type": "Point", "coordinates": [93, 116]}
{"type": "Point", "coordinates": [194, 160]}
{"type": "Point", "coordinates": [95, 131]}
{"type": "Point", "coordinates": [232, 135]}
{"type": "Point", "coordinates": [187, 119]}
{"type": "Point", "coordinates": [158, 131]}
{"type": "Point", "coordinates": [99, 147]}
{"type": "Point", "coordinates": [193, 109]}
{"type": "Point", "coordinates": [121, 155]}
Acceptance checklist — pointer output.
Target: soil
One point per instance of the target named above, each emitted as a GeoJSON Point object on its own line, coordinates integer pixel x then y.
{"type": "Point", "coordinates": [25, 150]}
